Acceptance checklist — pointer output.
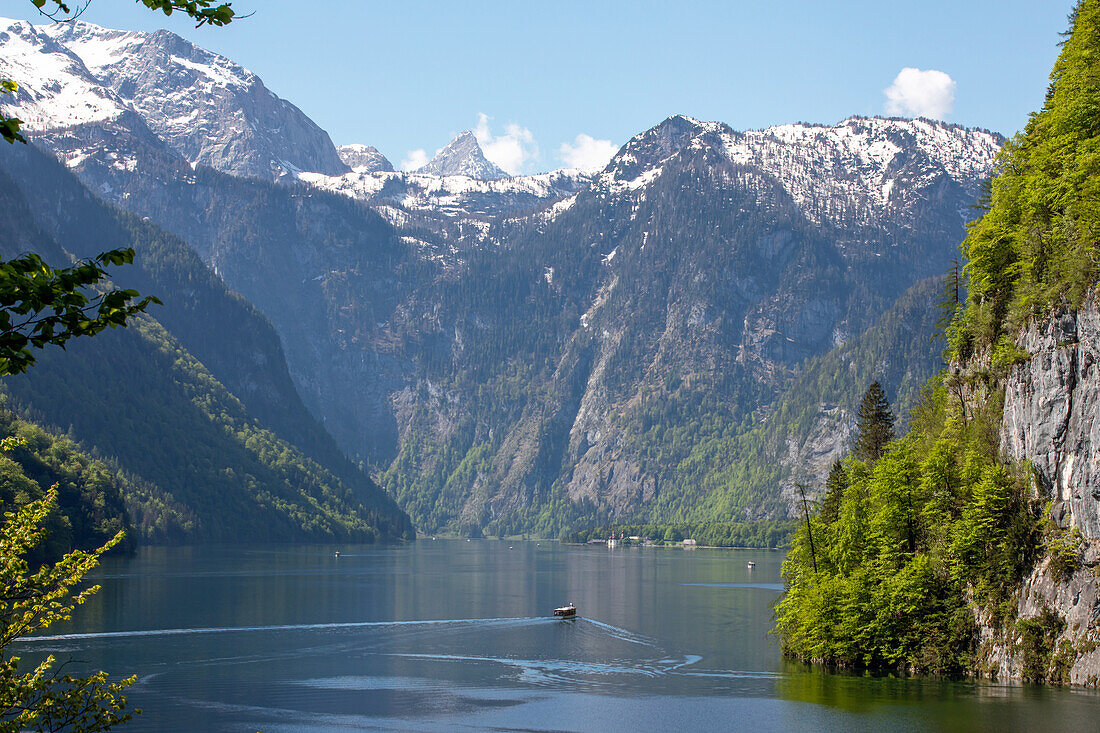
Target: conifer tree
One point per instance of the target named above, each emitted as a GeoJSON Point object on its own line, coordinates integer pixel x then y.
{"type": "Point", "coordinates": [834, 492]}
{"type": "Point", "coordinates": [874, 424]}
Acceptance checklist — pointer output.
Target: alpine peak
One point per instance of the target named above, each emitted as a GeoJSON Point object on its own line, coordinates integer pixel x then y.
{"type": "Point", "coordinates": [463, 157]}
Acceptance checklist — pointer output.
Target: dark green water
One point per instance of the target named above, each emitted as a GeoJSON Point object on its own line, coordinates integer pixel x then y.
{"type": "Point", "coordinates": [455, 635]}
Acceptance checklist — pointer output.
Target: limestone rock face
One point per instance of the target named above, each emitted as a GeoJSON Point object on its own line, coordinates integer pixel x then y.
{"type": "Point", "coordinates": [1051, 419]}
{"type": "Point", "coordinates": [1052, 413]}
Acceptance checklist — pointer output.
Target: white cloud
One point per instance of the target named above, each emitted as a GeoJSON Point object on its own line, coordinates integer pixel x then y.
{"type": "Point", "coordinates": [587, 153]}
{"type": "Point", "coordinates": [512, 151]}
{"type": "Point", "coordinates": [921, 94]}
{"type": "Point", "coordinates": [414, 159]}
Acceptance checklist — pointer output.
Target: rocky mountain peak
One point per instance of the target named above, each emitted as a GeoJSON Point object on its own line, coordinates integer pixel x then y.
{"type": "Point", "coordinates": [647, 151]}
{"type": "Point", "coordinates": [463, 157]}
{"type": "Point", "coordinates": [363, 158]}
{"type": "Point", "coordinates": [205, 107]}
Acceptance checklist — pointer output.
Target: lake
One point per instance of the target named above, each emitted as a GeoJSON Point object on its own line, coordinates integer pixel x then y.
{"type": "Point", "coordinates": [457, 635]}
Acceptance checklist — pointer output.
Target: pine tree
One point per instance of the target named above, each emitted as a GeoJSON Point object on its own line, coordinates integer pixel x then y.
{"type": "Point", "coordinates": [950, 300]}
{"type": "Point", "coordinates": [874, 424]}
{"type": "Point", "coordinates": [834, 493]}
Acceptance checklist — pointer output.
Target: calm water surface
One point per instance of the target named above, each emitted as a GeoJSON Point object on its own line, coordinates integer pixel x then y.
{"type": "Point", "coordinates": [455, 635]}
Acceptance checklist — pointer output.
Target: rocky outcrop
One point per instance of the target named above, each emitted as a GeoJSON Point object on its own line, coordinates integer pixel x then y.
{"type": "Point", "coordinates": [1052, 413]}
{"type": "Point", "coordinates": [1056, 637]}
{"type": "Point", "coordinates": [364, 158]}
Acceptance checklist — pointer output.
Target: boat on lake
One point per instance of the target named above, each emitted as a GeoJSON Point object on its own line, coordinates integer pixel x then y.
{"type": "Point", "coordinates": [565, 612]}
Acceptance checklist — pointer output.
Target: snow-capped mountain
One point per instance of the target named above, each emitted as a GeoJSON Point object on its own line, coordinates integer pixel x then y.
{"type": "Point", "coordinates": [458, 182]}
{"type": "Point", "coordinates": [868, 168]}
{"type": "Point", "coordinates": [79, 82]}
{"type": "Point", "coordinates": [454, 195]}
{"type": "Point", "coordinates": [462, 157]}
{"type": "Point", "coordinates": [56, 89]}
{"type": "Point", "coordinates": [206, 108]}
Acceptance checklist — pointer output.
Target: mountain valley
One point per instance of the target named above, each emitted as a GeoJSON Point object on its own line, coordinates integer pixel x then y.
{"type": "Point", "coordinates": [659, 340]}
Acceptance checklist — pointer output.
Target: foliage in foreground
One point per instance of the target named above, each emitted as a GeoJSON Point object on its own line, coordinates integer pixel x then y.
{"type": "Point", "coordinates": [938, 523]}
{"type": "Point", "coordinates": [43, 698]}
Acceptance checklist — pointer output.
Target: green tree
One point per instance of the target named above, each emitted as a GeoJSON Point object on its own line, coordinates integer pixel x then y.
{"type": "Point", "coordinates": [950, 299]}
{"type": "Point", "coordinates": [1035, 248]}
{"type": "Point", "coordinates": [43, 698]}
{"type": "Point", "coordinates": [874, 424]}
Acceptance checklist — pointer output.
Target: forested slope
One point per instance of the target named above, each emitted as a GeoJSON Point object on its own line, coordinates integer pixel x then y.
{"type": "Point", "coordinates": [141, 397]}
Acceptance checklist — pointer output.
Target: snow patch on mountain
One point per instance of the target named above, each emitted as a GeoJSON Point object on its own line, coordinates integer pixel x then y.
{"type": "Point", "coordinates": [56, 89]}
{"type": "Point", "coordinates": [454, 195]}
{"type": "Point", "coordinates": [863, 160]}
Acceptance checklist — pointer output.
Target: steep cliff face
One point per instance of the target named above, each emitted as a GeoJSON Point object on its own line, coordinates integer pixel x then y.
{"type": "Point", "coordinates": [1052, 413]}
{"type": "Point", "coordinates": [1052, 420]}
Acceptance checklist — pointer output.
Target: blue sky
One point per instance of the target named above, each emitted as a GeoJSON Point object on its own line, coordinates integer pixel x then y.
{"type": "Point", "coordinates": [406, 76]}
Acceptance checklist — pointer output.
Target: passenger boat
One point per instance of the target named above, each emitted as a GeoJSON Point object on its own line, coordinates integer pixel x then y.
{"type": "Point", "coordinates": [564, 612]}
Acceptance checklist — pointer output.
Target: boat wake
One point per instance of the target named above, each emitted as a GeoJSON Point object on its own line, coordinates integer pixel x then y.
{"type": "Point", "coordinates": [562, 672]}
{"type": "Point", "coordinates": [286, 627]}
{"type": "Point", "coordinates": [622, 634]}
{"type": "Point", "coordinates": [611, 669]}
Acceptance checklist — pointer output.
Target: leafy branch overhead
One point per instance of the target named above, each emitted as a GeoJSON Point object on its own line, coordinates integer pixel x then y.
{"type": "Point", "coordinates": [9, 126]}
{"type": "Point", "coordinates": [203, 12]}
{"type": "Point", "coordinates": [40, 305]}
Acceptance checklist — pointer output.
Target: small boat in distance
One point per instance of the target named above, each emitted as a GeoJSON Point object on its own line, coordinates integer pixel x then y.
{"type": "Point", "coordinates": [751, 565]}
{"type": "Point", "coordinates": [337, 554]}
{"type": "Point", "coordinates": [565, 612]}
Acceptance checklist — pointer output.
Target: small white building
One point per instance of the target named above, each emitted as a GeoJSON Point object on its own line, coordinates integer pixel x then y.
{"type": "Point", "coordinates": [689, 543]}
